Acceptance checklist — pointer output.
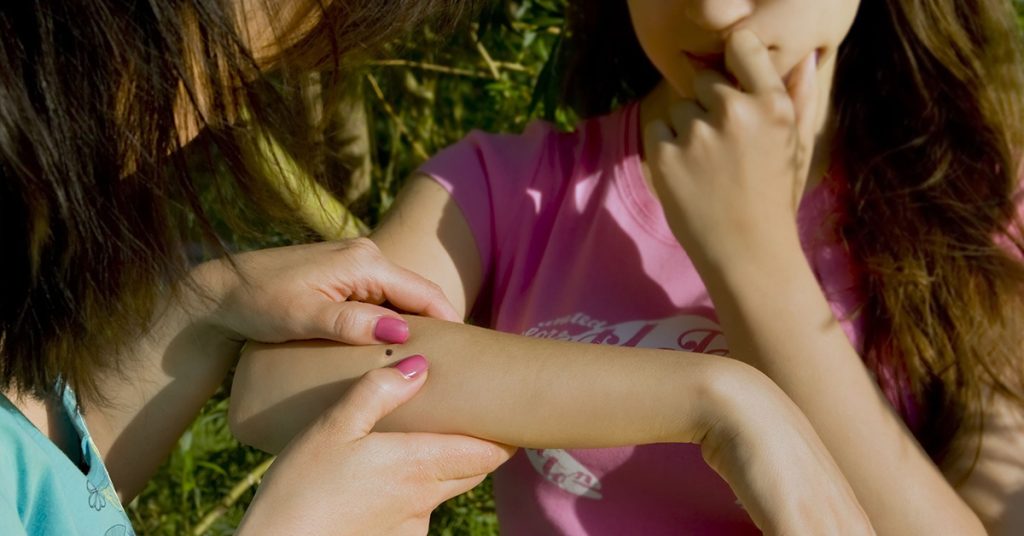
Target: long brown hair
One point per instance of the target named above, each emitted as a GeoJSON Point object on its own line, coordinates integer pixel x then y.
{"type": "Point", "coordinates": [929, 98]}
{"type": "Point", "coordinates": [929, 103]}
{"type": "Point", "coordinates": [95, 190]}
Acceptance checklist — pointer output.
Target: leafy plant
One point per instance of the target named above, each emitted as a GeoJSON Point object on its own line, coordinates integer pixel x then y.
{"type": "Point", "coordinates": [493, 74]}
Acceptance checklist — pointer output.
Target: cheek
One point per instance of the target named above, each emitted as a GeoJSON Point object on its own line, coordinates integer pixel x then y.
{"type": "Point", "coordinates": [834, 21]}
{"type": "Point", "coordinates": [822, 28]}
{"type": "Point", "coordinates": [659, 26]}
{"type": "Point", "coordinates": [648, 19]}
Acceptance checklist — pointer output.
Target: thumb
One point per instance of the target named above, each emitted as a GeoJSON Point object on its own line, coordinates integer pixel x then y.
{"type": "Point", "coordinates": [355, 323]}
{"type": "Point", "coordinates": [375, 396]}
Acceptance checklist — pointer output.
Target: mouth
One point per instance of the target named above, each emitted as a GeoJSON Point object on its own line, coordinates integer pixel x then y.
{"type": "Point", "coordinates": [715, 61]}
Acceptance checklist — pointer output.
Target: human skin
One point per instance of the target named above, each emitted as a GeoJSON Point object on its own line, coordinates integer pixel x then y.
{"type": "Point", "coordinates": [489, 384]}
{"type": "Point", "coordinates": [196, 337]}
{"type": "Point", "coordinates": [329, 290]}
{"type": "Point", "coordinates": [338, 477]}
{"type": "Point", "coordinates": [740, 231]}
{"type": "Point", "coordinates": [760, 269]}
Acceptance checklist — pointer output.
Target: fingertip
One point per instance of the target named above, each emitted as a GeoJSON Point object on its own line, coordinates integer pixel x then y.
{"type": "Point", "coordinates": [507, 450]}
{"type": "Point", "coordinates": [391, 330]}
{"type": "Point", "coordinates": [372, 398]}
{"type": "Point", "coordinates": [412, 367]}
{"type": "Point", "coordinates": [743, 40]}
{"type": "Point", "coordinates": [447, 312]}
{"type": "Point", "coordinates": [414, 294]}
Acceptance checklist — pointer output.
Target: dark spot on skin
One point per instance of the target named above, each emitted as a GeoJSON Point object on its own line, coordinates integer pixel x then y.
{"type": "Point", "coordinates": [388, 352]}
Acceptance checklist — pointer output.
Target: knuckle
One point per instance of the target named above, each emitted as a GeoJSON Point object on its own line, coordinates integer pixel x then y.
{"type": "Point", "coordinates": [346, 321]}
{"type": "Point", "coordinates": [371, 387]}
{"type": "Point", "coordinates": [666, 160]}
{"type": "Point", "coordinates": [701, 131]}
{"type": "Point", "coordinates": [364, 246]}
{"type": "Point", "coordinates": [375, 382]}
{"type": "Point", "coordinates": [780, 107]}
{"type": "Point", "coordinates": [418, 471]}
{"type": "Point", "coordinates": [733, 109]}
{"type": "Point", "coordinates": [745, 113]}
{"type": "Point", "coordinates": [435, 289]}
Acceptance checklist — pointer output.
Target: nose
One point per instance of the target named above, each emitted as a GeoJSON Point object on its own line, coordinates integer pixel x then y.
{"type": "Point", "coordinates": [719, 15]}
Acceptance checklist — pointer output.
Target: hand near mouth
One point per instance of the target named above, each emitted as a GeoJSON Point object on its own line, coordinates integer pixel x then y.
{"type": "Point", "coordinates": [731, 164]}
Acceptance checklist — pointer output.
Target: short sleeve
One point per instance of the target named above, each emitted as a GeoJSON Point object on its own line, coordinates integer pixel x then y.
{"type": "Point", "coordinates": [493, 179]}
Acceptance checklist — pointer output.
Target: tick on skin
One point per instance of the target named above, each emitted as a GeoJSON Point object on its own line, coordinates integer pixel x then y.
{"type": "Point", "coordinates": [388, 352]}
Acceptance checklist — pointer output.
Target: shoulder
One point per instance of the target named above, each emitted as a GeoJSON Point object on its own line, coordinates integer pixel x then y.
{"type": "Point", "coordinates": [495, 155]}
{"type": "Point", "coordinates": [541, 146]}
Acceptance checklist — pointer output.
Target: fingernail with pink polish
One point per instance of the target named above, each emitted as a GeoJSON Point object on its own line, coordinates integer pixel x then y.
{"type": "Point", "coordinates": [412, 366]}
{"type": "Point", "coordinates": [391, 330]}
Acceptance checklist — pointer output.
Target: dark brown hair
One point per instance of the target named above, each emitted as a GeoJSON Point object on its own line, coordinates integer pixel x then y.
{"type": "Point", "coordinates": [95, 192]}
{"type": "Point", "coordinates": [928, 102]}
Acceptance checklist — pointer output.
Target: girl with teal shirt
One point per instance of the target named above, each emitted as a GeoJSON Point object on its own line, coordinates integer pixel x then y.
{"type": "Point", "coordinates": [110, 340]}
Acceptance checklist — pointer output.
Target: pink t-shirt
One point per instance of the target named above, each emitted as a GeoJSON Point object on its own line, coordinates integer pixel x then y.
{"type": "Point", "coordinates": [574, 246]}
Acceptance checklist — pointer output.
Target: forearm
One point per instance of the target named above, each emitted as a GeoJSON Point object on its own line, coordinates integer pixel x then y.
{"type": "Point", "coordinates": [169, 374]}
{"type": "Point", "coordinates": [506, 388]}
{"type": "Point", "coordinates": [775, 308]}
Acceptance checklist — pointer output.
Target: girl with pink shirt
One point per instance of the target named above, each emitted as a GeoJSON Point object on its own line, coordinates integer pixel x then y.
{"type": "Point", "coordinates": [825, 191]}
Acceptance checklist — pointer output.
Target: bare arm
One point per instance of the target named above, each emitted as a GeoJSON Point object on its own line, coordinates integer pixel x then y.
{"type": "Point", "coordinates": [730, 172]}
{"type": "Point", "coordinates": [777, 309]}
{"type": "Point", "coordinates": [491, 385]}
{"type": "Point", "coordinates": [484, 383]}
{"type": "Point", "coordinates": [495, 386]}
{"type": "Point", "coordinates": [297, 292]}
{"type": "Point", "coordinates": [170, 374]}
{"type": "Point", "coordinates": [543, 393]}
{"type": "Point", "coordinates": [895, 479]}
{"type": "Point", "coordinates": [995, 488]}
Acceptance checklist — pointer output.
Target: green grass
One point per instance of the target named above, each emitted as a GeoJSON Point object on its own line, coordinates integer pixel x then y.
{"type": "Point", "coordinates": [208, 463]}
{"type": "Point", "coordinates": [429, 110]}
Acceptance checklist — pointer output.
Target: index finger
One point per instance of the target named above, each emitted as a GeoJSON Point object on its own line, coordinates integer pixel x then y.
{"type": "Point", "coordinates": [413, 293]}
{"type": "Point", "coordinates": [748, 60]}
{"type": "Point", "coordinates": [456, 457]}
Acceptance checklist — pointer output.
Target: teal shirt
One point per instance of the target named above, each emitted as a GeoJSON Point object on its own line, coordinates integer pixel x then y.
{"type": "Point", "coordinates": [42, 492]}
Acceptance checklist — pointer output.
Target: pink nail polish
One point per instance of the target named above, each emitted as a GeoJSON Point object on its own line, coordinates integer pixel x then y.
{"type": "Point", "coordinates": [411, 366]}
{"type": "Point", "coordinates": [391, 330]}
